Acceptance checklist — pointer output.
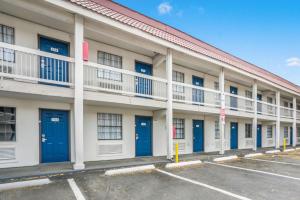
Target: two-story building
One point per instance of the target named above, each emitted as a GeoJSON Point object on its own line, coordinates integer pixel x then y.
{"type": "Point", "coordinates": [89, 80]}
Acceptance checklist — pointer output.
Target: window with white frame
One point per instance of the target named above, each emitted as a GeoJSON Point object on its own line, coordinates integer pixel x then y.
{"type": "Point", "coordinates": [286, 132]}
{"type": "Point", "coordinates": [178, 125]}
{"type": "Point", "coordinates": [217, 95]}
{"type": "Point", "coordinates": [7, 35]}
{"type": "Point", "coordinates": [112, 61]}
{"type": "Point", "coordinates": [109, 126]}
{"type": "Point", "coordinates": [217, 129]}
{"type": "Point", "coordinates": [269, 131]}
{"type": "Point", "coordinates": [271, 109]}
{"type": "Point", "coordinates": [248, 130]}
{"type": "Point", "coordinates": [7, 124]}
{"type": "Point", "coordinates": [248, 94]}
{"type": "Point", "coordinates": [178, 90]}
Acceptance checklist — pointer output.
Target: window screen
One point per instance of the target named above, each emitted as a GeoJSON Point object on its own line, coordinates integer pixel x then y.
{"type": "Point", "coordinates": [112, 61]}
{"type": "Point", "coordinates": [178, 90]}
{"type": "Point", "coordinates": [179, 127]}
{"type": "Point", "coordinates": [269, 131]}
{"type": "Point", "coordinates": [217, 129]}
{"type": "Point", "coordinates": [248, 130]}
{"type": "Point", "coordinates": [109, 126]}
{"type": "Point", "coordinates": [7, 124]}
{"type": "Point", "coordinates": [7, 35]}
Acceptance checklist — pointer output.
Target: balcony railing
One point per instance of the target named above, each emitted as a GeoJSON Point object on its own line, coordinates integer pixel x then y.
{"type": "Point", "coordinates": [191, 94]}
{"type": "Point", "coordinates": [113, 80]}
{"type": "Point", "coordinates": [21, 63]}
{"type": "Point", "coordinates": [265, 108]}
{"type": "Point", "coordinates": [239, 103]}
{"type": "Point", "coordinates": [286, 112]}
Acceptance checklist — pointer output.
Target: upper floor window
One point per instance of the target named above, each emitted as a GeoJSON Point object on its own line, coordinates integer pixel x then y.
{"type": "Point", "coordinates": [248, 94]}
{"type": "Point", "coordinates": [269, 131]}
{"type": "Point", "coordinates": [217, 129]}
{"type": "Point", "coordinates": [269, 99]}
{"type": "Point", "coordinates": [179, 128]}
{"type": "Point", "coordinates": [7, 35]}
{"type": "Point", "coordinates": [7, 124]}
{"type": "Point", "coordinates": [112, 61]}
{"type": "Point", "coordinates": [178, 90]}
{"type": "Point", "coordinates": [248, 130]}
{"type": "Point", "coordinates": [109, 126]}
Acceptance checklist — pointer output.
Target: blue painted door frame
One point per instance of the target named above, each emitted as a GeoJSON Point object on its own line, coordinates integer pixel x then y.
{"type": "Point", "coordinates": [198, 95]}
{"type": "Point", "coordinates": [198, 135]}
{"type": "Point", "coordinates": [234, 135]}
{"type": "Point", "coordinates": [54, 136]}
{"type": "Point", "coordinates": [233, 100]}
{"type": "Point", "coordinates": [54, 69]}
{"type": "Point", "coordinates": [143, 136]}
{"type": "Point", "coordinates": [258, 136]}
{"type": "Point", "coordinates": [143, 85]}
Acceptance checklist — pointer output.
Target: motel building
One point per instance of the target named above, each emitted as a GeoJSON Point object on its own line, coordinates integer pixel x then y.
{"type": "Point", "coordinates": [84, 80]}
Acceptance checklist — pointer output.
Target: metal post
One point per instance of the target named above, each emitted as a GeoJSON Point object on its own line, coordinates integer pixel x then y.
{"type": "Point", "coordinates": [169, 113]}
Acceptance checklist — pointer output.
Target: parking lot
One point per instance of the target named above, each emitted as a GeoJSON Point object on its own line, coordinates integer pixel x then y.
{"type": "Point", "coordinates": [264, 177]}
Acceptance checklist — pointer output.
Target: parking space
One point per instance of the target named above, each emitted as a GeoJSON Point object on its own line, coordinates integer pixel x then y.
{"type": "Point", "coordinates": [254, 178]}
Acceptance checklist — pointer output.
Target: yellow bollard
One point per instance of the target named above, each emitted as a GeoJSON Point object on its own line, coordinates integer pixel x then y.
{"type": "Point", "coordinates": [176, 152]}
{"type": "Point", "coordinates": [284, 144]}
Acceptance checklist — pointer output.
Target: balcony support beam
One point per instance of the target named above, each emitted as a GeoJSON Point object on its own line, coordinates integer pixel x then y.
{"type": "Point", "coordinates": [294, 121]}
{"type": "Point", "coordinates": [169, 113]}
{"type": "Point", "coordinates": [254, 121]}
{"type": "Point", "coordinates": [222, 119]}
{"type": "Point", "coordinates": [277, 132]}
{"type": "Point", "coordinates": [78, 93]}
{"type": "Point", "coordinates": [158, 59]}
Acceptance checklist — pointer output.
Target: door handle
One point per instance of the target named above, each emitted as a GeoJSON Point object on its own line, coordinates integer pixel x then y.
{"type": "Point", "coordinates": [44, 139]}
{"type": "Point", "coordinates": [136, 136]}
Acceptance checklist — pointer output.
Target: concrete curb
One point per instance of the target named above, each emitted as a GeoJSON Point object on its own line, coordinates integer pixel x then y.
{"type": "Point", "coordinates": [288, 150]}
{"type": "Point", "coordinates": [225, 158]}
{"type": "Point", "coordinates": [22, 184]}
{"type": "Point", "coordinates": [251, 155]}
{"type": "Point", "coordinates": [129, 170]}
{"type": "Point", "coordinates": [273, 151]}
{"type": "Point", "coordinates": [183, 164]}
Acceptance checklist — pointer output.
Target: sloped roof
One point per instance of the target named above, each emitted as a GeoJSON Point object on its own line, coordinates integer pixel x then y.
{"type": "Point", "coordinates": [139, 21]}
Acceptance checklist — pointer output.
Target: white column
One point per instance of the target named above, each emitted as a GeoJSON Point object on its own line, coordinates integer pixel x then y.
{"type": "Point", "coordinates": [254, 121]}
{"type": "Point", "coordinates": [294, 121]}
{"type": "Point", "coordinates": [78, 99]}
{"type": "Point", "coordinates": [169, 113]}
{"type": "Point", "coordinates": [222, 123]}
{"type": "Point", "coordinates": [277, 136]}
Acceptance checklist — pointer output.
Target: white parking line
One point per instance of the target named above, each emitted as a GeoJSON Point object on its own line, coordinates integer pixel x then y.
{"type": "Point", "coordinates": [254, 170]}
{"type": "Point", "coordinates": [272, 161]}
{"type": "Point", "coordinates": [75, 189]}
{"type": "Point", "coordinates": [203, 185]}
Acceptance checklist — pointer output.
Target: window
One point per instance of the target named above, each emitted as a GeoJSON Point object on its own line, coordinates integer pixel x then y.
{"type": "Point", "coordinates": [109, 126]}
{"type": "Point", "coordinates": [178, 90]}
{"type": "Point", "coordinates": [269, 99]}
{"type": "Point", "coordinates": [217, 95]}
{"type": "Point", "coordinates": [298, 107]}
{"type": "Point", "coordinates": [298, 131]}
{"type": "Point", "coordinates": [7, 124]}
{"type": "Point", "coordinates": [271, 109]}
{"type": "Point", "coordinates": [248, 94]}
{"type": "Point", "coordinates": [112, 61]}
{"type": "Point", "coordinates": [179, 127]}
{"type": "Point", "coordinates": [217, 129]}
{"type": "Point", "coordinates": [248, 130]}
{"type": "Point", "coordinates": [286, 132]}
{"type": "Point", "coordinates": [7, 35]}
{"type": "Point", "coordinates": [286, 104]}
{"type": "Point", "coordinates": [269, 132]}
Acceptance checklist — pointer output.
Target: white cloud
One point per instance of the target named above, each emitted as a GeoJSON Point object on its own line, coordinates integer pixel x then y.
{"type": "Point", "coordinates": [293, 61]}
{"type": "Point", "coordinates": [164, 8]}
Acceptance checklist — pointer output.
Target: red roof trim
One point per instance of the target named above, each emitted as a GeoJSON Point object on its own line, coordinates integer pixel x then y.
{"type": "Point", "coordinates": [133, 18]}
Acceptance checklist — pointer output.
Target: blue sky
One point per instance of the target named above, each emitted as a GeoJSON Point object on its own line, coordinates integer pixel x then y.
{"type": "Point", "coordinates": [263, 32]}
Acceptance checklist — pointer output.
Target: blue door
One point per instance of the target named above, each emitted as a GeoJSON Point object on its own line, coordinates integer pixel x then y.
{"type": "Point", "coordinates": [258, 136]}
{"type": "Point", "coordinates": [291, 135]}
{"type": "Point", "coordinates": [198, 134]}
{"type": "Point", "coordinates": [259, 105]}
{"type": "Point", "coordinates": [233, 100]}
{"type": "Point", "coordinates": [143, 85]}
{"type": "Point", "coordinates": [54, 69]}
{"type": "Point", "coordinates": [198, 94]}
{"type": "Point", "coordinates": [143, 136]}
{"type": "Point", "coordinates": [233, 135]}
{"type": "Point", "coordinates": [54, 136]}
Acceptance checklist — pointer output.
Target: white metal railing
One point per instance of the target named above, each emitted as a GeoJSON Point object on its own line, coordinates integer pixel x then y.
{"type": "Point", "coordinates": [286, 112]}
{"type": "Point", "coordinates": [113, 80]}
{"type": "Point", "coordinates": [21, 63]}
{"type": "Point", "coordinates": [239, 103]}
{"type": "Point", "coordinates": [191, 94]}
{"type": "Point", "coordinates": [265, 108]}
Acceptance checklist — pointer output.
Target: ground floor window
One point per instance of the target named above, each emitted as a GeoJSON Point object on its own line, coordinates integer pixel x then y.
{"type": "Point", "coordinates": [298, 131]}
{"type": "Point", "coordinates": [269, 132]}
{"type": "Point", "coordinates": [248, 130]}
{"type": "Point", "coordinates": [179, 127]}
{"type": "Point", "coordinates": [217, 129]}
{"type": "Point", "coordinates": [286, 132]}
{"type": "Point", "coordinates": [109, 126]}
{"type": "Point", "coordinates": [7, 124]}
